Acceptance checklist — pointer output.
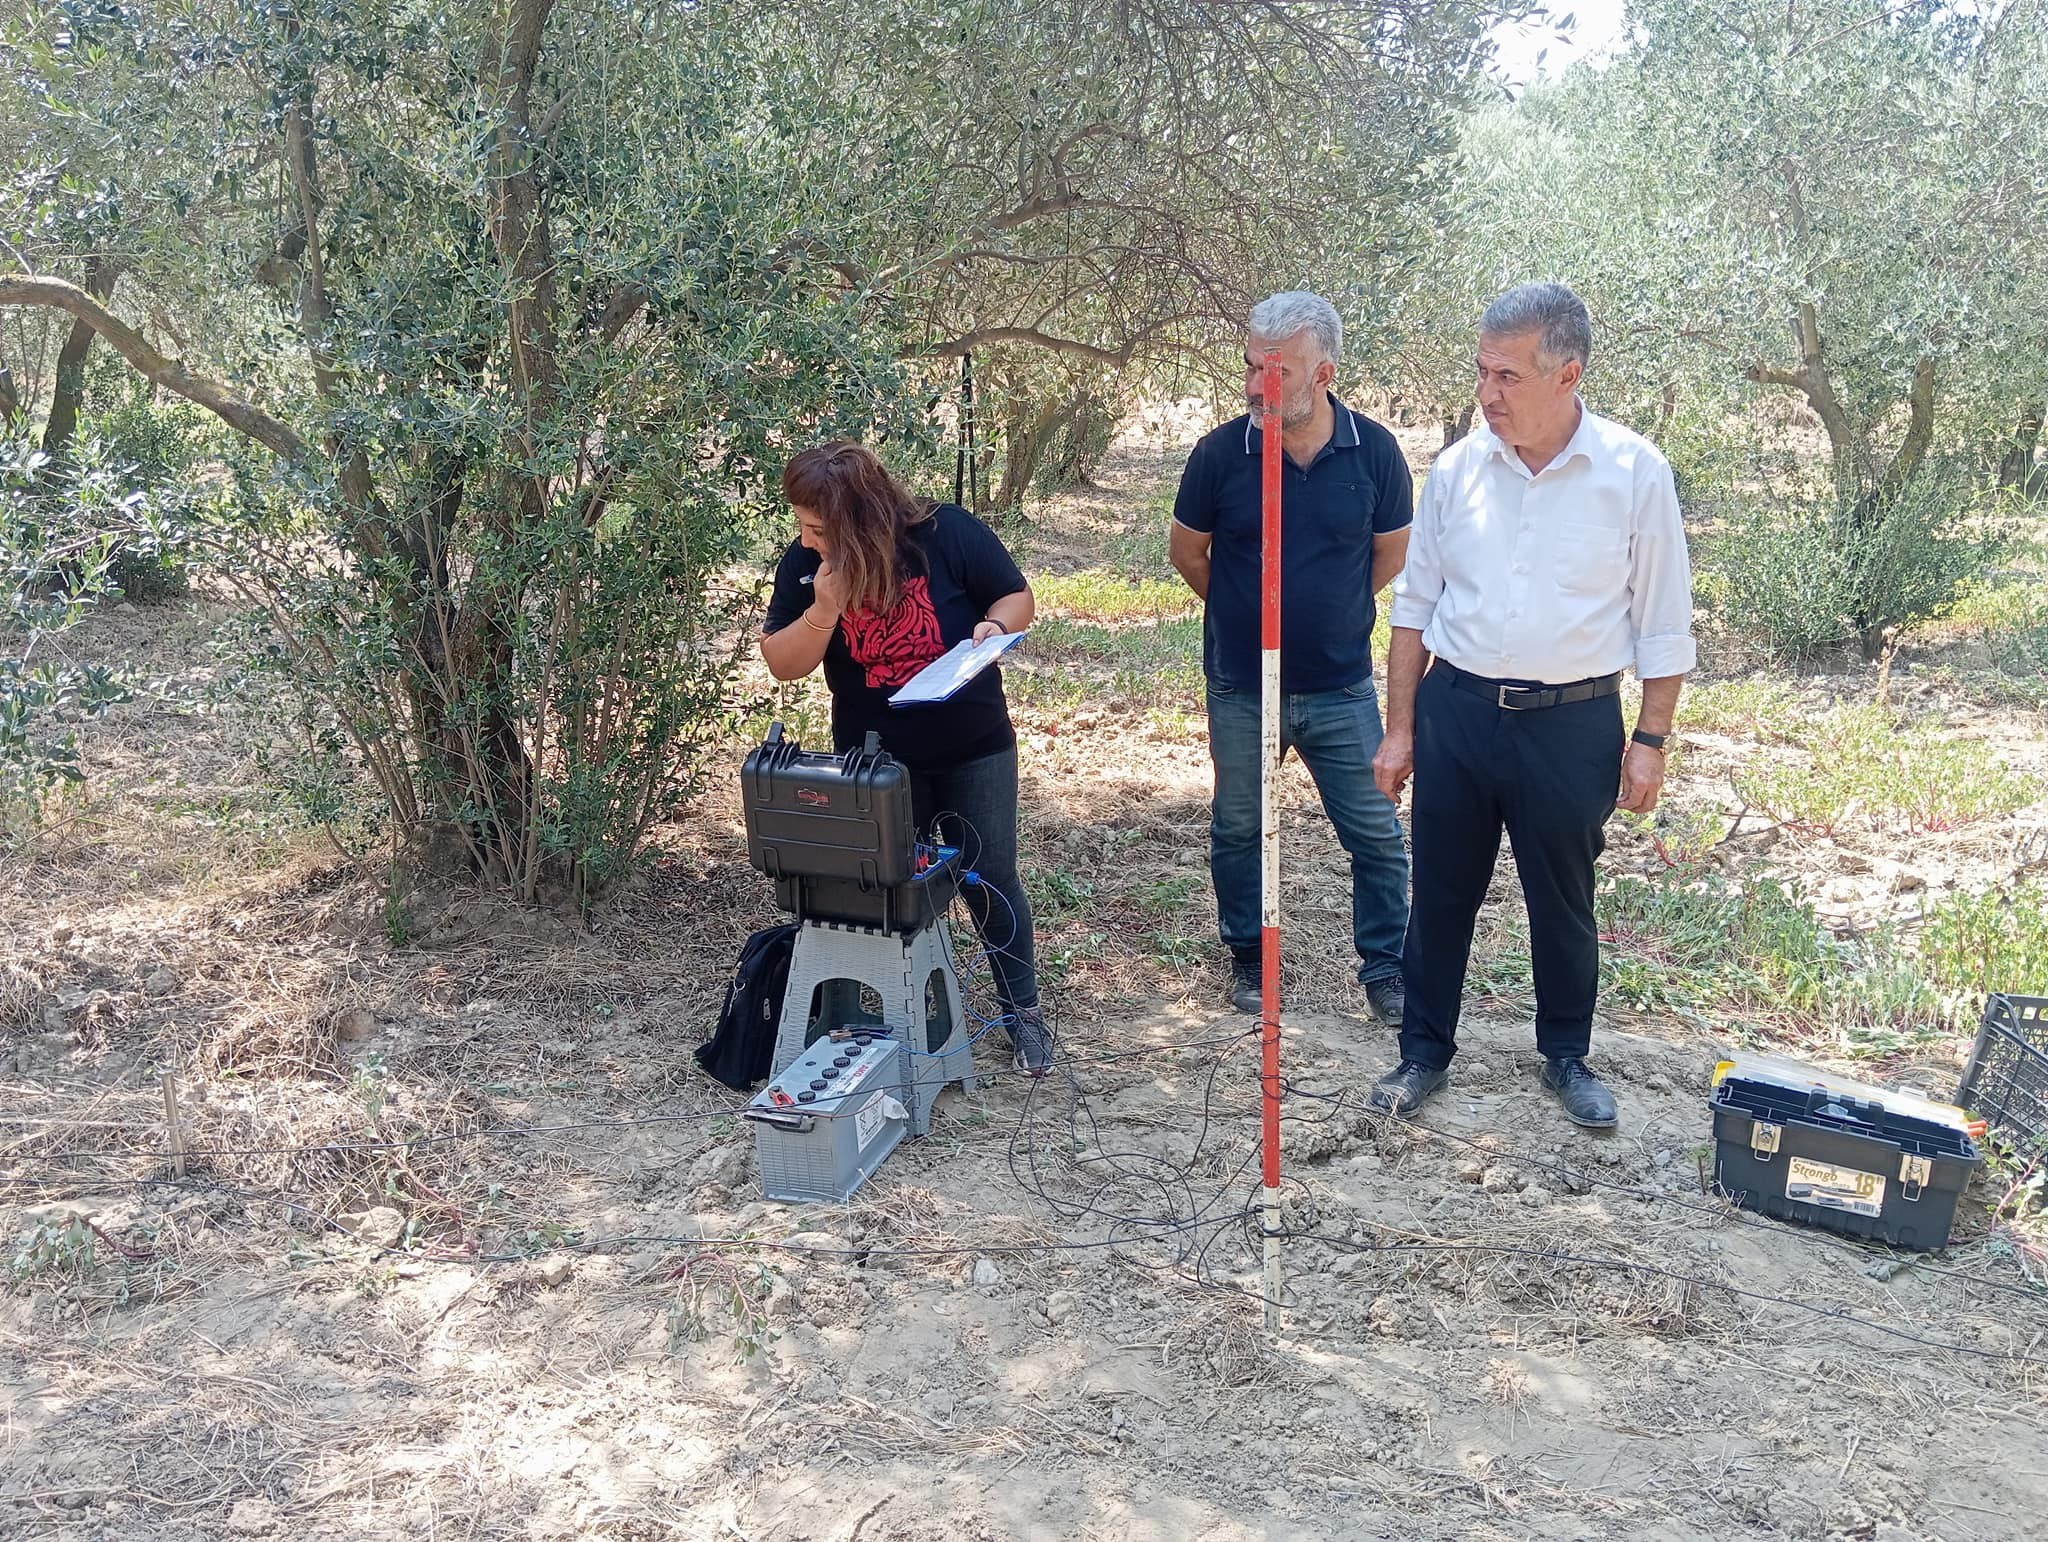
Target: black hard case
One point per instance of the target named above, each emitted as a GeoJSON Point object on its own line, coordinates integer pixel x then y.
{"type": "Point", "coordinates": [1762, 1126]}
{"type": "Point", "coordinates": [837, 835]}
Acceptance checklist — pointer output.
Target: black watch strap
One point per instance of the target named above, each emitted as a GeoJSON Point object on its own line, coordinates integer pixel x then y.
{"type": "Point", "coordinates": [1654, 741]}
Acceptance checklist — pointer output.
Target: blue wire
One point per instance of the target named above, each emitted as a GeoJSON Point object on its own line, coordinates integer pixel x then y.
{"type": "Point", "coordinates": [987, 1023]}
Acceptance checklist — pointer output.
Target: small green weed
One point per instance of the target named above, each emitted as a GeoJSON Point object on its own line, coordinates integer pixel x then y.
{"type": "Point", "coordinates": [55, 1250]}
{"type": "Point", "coordinates": [711, 1286]}
{"type": "Point", "coordinates": [367, 1084]}
{"type": "Point", "coordinates": [1857, 762]}
{"type": "Point", "coordinates": [1096, 594]}
{"type": "Point", "coordinates": [1175, 950]}
{"type": "Point", "coordinates": [1056, 965]}
{"type": "Point", "coordinates": [398, 921]}
{"type": "Point", "coordinates": [1756, 706]}
{"type": "Point", "coordinates": [1681, 839]}
{"type": "Point", "coordinates": [548, 1236]}
{"type": "Point", "coordinates": [1163, 896]}
{"type": "Point", "coordinates": [1057, 894]}
{"type": "Point", "coordinates": [1993, 941]}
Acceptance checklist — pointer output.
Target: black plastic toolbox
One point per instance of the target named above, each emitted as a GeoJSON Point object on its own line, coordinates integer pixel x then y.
{"type": "Point", "coordinates": [1802, 1145]}
{"type": "Point", "coordinates": [2006, 1081]}
{"type": "Point", "coordinates": [837, 835]}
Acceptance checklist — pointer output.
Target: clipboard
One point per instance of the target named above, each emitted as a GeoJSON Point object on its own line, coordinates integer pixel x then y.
{"type": "Point", "coordinates": [943, 677]}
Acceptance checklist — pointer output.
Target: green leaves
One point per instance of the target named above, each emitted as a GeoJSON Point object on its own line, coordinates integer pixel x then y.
{"type": "Point", "coordinates": [61, 532]}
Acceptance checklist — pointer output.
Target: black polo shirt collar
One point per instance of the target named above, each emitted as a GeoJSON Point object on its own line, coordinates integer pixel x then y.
{"type": "Point", "coordinates": [1343, 435]}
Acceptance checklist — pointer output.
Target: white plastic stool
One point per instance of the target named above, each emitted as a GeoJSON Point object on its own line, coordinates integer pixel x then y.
{"type": "Point", "coordinates": [843, 976]}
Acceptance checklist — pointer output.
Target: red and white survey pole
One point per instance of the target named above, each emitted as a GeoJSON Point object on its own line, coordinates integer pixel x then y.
{"type": "Point", "coordinates": [1269, 823]}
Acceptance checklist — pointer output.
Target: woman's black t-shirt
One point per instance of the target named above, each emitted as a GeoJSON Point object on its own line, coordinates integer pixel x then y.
{"type": "Point", "coordinates": [870, 657]}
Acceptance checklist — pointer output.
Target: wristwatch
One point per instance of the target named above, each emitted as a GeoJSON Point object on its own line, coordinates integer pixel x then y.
{"type": "Point", "coordinates": [1649, 740]}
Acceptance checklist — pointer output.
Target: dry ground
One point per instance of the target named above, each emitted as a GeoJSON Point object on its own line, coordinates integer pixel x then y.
{"type": "Point", "coordinates": [467, 1247]}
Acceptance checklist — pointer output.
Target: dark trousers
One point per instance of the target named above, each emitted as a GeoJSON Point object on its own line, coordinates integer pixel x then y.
{"type": "Point", "coordinates": [1549, 777]}
{"type": "Point", "coordinates": [975, 806]}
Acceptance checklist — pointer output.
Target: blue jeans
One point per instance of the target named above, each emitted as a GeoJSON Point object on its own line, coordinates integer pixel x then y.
{"type": "Point", "coordinates": [1336, 733]}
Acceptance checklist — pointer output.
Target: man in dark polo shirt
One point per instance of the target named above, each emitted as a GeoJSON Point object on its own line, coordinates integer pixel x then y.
{"type": "Point", "coordinates": [1346, 502]}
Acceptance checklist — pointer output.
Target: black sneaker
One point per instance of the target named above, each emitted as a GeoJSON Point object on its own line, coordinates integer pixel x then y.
{"type": "Point", "coordinates": [1032, 1041]}
{"type": "Point", "coordinates": [1406, 1088]}
{"type": "Point", "coordinates": [1585, 1097]}
{"type": "Point", "coordinates": [1387, 998]}
{"type": "Point", "coordinates": [1247, 982]}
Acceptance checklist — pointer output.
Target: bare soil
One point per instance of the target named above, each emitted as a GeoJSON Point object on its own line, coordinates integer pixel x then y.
{"type": "Point", "coordinates": [466, 1246]}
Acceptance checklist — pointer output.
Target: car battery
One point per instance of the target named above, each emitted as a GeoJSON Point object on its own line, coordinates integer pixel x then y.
{"type": "Point", "coordinates": [837, 835]}
{"type": "Point", "coordinates": [825, 1124]}
{"type": "Point", "coordinates": [1805, 1145]}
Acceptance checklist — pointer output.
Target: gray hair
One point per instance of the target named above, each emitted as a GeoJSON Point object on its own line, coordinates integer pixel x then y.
{"type": "Point", "coordinates": [1551, 309]}
{"type": "Point", "coordinates": [1279, 317]}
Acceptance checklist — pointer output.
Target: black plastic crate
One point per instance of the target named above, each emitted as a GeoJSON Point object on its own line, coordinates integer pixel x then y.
{"type": "Point", "coordinates": [1794, 1143]}
{"type": "Point", "coordinates": [2006, 1081]}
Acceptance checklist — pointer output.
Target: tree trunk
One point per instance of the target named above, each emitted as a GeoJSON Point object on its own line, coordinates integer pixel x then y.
{"type": "Point", "coordinates": [101, 275]}
{"type": "Point", "coordinates": [1456, 426]}
{"type": "Point", "coordinates": [483, 633]}
{"type": "Point", "coordinates": [1024, 447]}
{"type": "Point", "coordinates": [1912, 451]}
{"type": "Point", "coordinates": [239, 414]}
{"type": "Point", "coordinates": [2016, 464]}
{"type": "Point", "coordinates": [1854, 470]}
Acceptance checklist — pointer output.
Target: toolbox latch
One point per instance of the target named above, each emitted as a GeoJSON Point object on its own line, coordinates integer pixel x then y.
{"type": "Point", "coordinates": [1763, 1139]}
{"type": "Point", "coordinates": [1914, 1173]}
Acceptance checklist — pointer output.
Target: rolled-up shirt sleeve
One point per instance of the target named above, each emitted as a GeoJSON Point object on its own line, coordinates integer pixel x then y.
{"type": "Point", "coordinates": [1421, 582]}
{"type": "Point", "coordinates": [1660, 578]}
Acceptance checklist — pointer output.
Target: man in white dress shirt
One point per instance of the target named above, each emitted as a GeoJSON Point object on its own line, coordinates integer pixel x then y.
{"type": "Point", "coordinates": [1547, 557]}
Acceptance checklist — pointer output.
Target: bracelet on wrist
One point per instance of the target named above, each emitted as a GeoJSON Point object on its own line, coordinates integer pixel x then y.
{"type": "Point", "coordinates": [991, 620]}
{"type": "Point", "coordinates": [819, 626]}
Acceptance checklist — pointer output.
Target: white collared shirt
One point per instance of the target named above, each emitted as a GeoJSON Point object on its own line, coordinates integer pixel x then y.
{"type": "Point", "coordinates": [1577, 571]}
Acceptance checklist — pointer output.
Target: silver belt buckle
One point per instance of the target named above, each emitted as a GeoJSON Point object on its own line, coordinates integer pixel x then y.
{"type": "Point", "coordinates": [1505, 704]}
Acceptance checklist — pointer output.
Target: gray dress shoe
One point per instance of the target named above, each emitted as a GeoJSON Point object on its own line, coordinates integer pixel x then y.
{"type": "Point", "coordinates": [1405, 1088]}
{"type": "Point", "coordinates": [1585, 1097]}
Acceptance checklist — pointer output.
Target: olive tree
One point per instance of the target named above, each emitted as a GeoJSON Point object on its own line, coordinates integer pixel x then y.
{"type": "Point", "coordinates": [1083, 191]}
{"type": "Point", "coordinates": [502, 302]}
{"type": "Point", "coordinates": [1838, 202]}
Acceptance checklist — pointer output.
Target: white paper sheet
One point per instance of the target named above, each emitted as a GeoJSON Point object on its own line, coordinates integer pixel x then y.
{"type": "Point", "coordinates": [954, 668]}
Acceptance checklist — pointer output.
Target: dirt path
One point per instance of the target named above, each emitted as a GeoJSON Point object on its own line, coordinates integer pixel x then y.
{"type": "Point", "coordinates": [468, 1248]}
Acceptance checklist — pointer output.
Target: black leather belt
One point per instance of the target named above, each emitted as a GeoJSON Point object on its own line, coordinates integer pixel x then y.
{"type": "Point", "coordinates": [1527, 698]}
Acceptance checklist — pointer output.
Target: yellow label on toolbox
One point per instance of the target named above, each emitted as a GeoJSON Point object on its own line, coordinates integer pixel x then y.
{"type": "Point", "coordinates": [1834, 1188]}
